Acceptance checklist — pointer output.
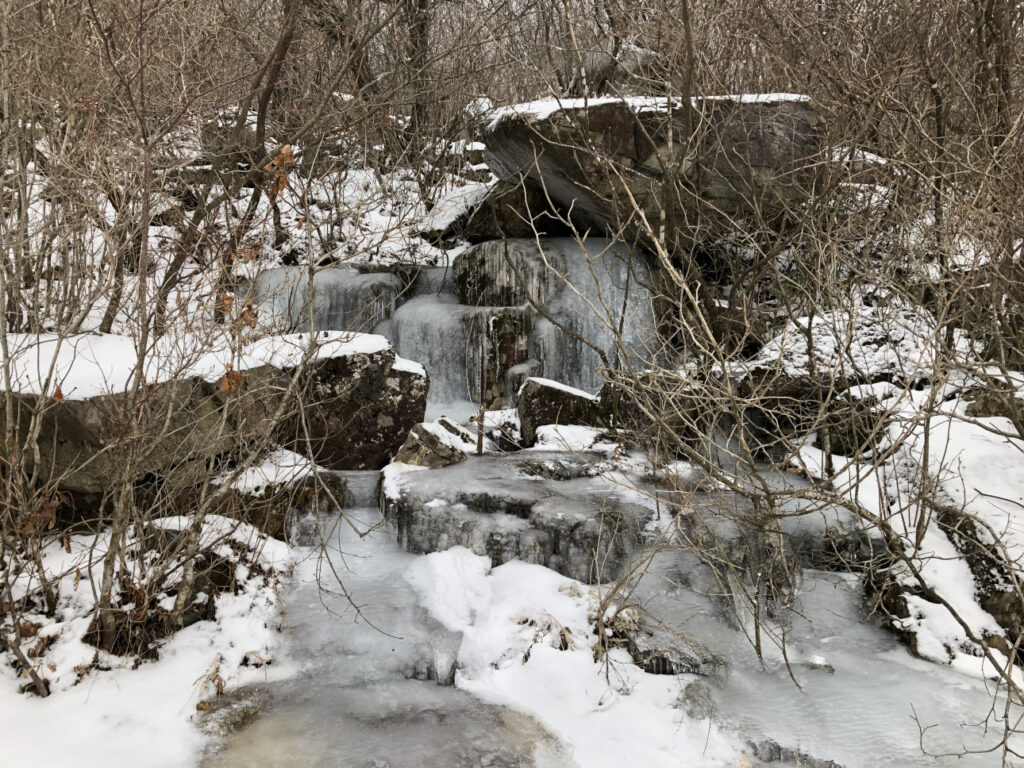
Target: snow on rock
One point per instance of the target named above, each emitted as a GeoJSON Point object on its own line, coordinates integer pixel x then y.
{"type": "Point", "coordinates": [527, 637]}
{"type": "Point", "coordinates": [278, 468]}
{"type": "Point", "coordinates": [544, 108]}
{"type": "Point", "coordinates": [90, 365]}
{"type": "Point", "coordinates": [971, 545]}
{"type": "Point", "coordinates": [863, 345]}
{"type": "Point", "coordinates": [454, 204]}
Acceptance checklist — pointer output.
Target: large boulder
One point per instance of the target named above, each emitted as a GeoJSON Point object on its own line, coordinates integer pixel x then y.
{"type": "Point", "coordinates": [353, 405]}
{"type": "Point", "coordinates": [542, 401]}
{"type": "Point", "coordinates": [734, 156]}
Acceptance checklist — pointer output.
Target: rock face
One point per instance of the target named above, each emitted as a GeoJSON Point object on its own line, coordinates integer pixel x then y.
{"type": "Point", "coordinates": [581, 527]}
{"type": "Point", "coordinates": [356, 403]}
{"type": "Point", "coordinates": [542, 401]}
{"type": "Point", "coordinates": [84, 444]}
{"type": "Point", "coordinates": [422, 448]}
{"type": "Point", "coordinates": [747, 154]}
{"type": "Point", "coordinates": [358, 409]}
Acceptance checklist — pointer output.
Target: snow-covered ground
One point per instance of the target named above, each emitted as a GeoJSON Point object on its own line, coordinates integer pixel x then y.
{"type": "Point", "coordinates": [109, 711]}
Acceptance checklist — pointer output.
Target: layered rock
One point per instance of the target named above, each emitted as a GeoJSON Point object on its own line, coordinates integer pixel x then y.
{"type": "Point", "coordinates": [582, 527]}
{"type": "Point", "coordinates": [609, 159]}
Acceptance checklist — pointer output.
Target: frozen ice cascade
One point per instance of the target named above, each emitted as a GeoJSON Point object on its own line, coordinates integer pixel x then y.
{"type": "Point", "coordinates": [554, 304]}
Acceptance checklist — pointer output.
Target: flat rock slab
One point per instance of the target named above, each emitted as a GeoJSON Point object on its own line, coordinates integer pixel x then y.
{"type": "Point", "coordinates": [528, 507]}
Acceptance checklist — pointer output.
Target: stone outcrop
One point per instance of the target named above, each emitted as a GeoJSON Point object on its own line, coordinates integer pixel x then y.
{"type": "Point", "coordinates": [582, 528]}
{"type": "Point", "coordinates": [748, 154]}
{"type": "Point", "coordinates": [85, 444]}
{"type": "Point", "coordinates": [354, 404]}
{"type": "Point", "coordinates": [542, 401]}
{"type": "Point", "coordinates": [358, 409]}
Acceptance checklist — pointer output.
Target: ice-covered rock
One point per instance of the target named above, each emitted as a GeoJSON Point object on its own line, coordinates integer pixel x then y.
{"type": "Point", "coordinates": [661, 650]}
{"type": "Point", "coordinates": [466, 349]}
{"type": "Point", "coordinates": [332, 298]}
{"type": "Point", "coordinates": [583, 527]}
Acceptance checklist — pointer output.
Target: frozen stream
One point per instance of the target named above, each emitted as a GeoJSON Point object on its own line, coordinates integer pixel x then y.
{"type": "Point", "coordinates": [860, 689]}
{"type": "Point", "coordinates": [365, 699]}
{"type": "Point", "coordinates": [369, 699]}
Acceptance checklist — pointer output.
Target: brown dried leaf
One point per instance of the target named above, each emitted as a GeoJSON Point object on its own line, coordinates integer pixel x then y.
{"type": "Point", "coordinates": [58, 395]}
{"type": "Point", "coordinates": [231, 382]}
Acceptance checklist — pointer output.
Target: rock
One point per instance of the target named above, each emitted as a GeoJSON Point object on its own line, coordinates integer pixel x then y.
{"type": "Point", "coordinates": [515, 378]}
{"type": "Point", "coordinates": [357, 402]}
{"type": "Point", "coordinates": [281, 494]}
{"type": "Point", "coordinates": [769, 751]}
{"type": "Point", "coordinates": [422, 448]}
{"type": "Point", "coordinates": [542, 401]}
{"type": "Point", "coordinates": [998, 589]}
{"type": "Point", "coordinates": [582, 528]}
{"type": "Point", "coordinates": [661, 651]}
{"type": "Point", "coordinates": [84, 444]}
{"type": "Point", "coordinates": [511, 209]}
{"type": "Point", "coordinates": [998, 399]}
{"type": "Point", "coordinates": [751, 154]}
{"type": "Point", "coordinates": [358, 409]}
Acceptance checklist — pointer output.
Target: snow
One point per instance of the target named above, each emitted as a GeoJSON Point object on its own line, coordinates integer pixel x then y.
{"type": "Point", "coordinates": [116, 716]}
{"type": "Point", "coordinates": [514, 620]}
{"type": "Point", "coordinates": [573, 438]}
{"type": "Point", "coordinates": [408, 366]}
{"type": "Point", "coordinates": [455, 203]}
{"type": "Point", "coordinates": [975, 466]}
{"type": "Point", "coordinates": [859, 344]}
{"type": "Point", "coordinates": [278, 468]}
{"type": "Point", "coordinates": [545, 108]}
{"type": "Point", "coordinates": [559, 386]}
{"type": "Point", "coordinates": [90, 365]}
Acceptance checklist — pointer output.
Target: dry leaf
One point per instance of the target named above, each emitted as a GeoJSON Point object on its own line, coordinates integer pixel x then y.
{"type": "Point", "coordinates": [231, 382]}
{"type": "Point", "coordinates": [58, 395]}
